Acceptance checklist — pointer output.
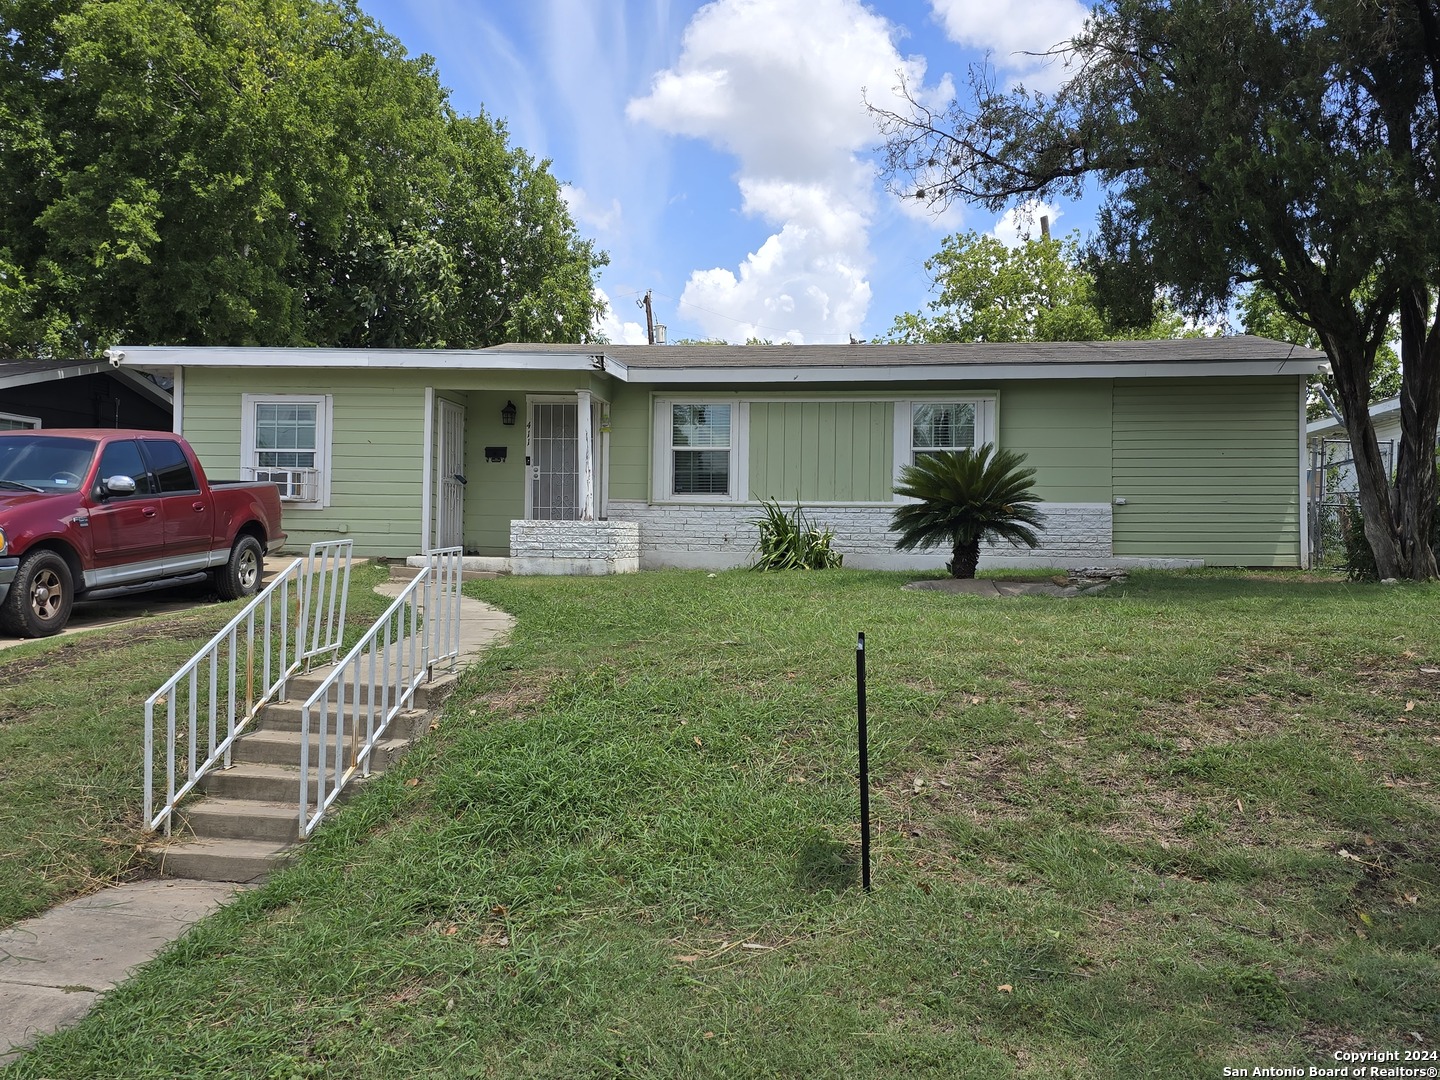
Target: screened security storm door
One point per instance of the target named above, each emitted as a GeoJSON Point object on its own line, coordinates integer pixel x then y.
{"type": "Point", "coordinates": [554, 460]}
{"type": "Point", "coordinates": [449, 524]}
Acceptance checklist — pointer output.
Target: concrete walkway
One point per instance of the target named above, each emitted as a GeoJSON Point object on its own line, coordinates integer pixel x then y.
{"type": "Point", "coordinates": [54, 967]}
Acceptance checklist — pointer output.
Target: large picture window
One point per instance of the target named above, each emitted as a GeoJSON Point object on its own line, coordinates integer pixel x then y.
{"type": "Point", "coordinates": [287, 442]}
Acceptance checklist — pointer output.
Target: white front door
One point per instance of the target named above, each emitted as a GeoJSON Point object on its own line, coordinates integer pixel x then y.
{"type": "Point", "coordinates": [450, 459]}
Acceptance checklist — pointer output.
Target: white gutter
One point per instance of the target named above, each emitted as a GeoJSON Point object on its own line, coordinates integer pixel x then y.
{"type": "Point", "coordinates": [148, 356]}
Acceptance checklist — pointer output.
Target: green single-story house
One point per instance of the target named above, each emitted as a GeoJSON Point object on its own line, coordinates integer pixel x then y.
{"type": "Point", "coordinates": [598, 458]}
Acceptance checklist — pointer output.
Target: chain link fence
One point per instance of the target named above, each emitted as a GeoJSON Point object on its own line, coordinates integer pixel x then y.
{"type": "Point", "coordinates": [1331, 487]}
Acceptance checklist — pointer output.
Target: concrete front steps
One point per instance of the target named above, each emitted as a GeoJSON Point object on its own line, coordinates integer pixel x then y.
{"type": "Point", "coordinates": [247, 820]}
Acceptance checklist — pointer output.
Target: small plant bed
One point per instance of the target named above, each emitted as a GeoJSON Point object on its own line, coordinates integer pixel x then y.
{"type": "Point", "coordinates": [1193, 823]}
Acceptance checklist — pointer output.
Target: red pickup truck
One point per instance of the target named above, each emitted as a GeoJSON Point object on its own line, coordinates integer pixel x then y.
{"type": "Point", "coordinates": [86, 511]}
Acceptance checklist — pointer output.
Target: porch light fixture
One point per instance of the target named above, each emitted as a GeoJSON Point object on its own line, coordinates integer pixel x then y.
{"type": "Point", "coordinates": [507, 414]}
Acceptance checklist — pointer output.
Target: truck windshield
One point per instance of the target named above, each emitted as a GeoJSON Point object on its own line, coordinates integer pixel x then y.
{"type": "Point", "coordinates": [43, 463]}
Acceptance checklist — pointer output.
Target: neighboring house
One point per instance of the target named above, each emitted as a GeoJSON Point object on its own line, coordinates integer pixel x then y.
{"type": "Point", "coordinates": [1332, 466]}
{"type": "Point", "coordinates": [82, 393]}
{"type": "Point", "coordinates": [1384, 415]}
{"type": "Point", "coordinates": [593, 458]}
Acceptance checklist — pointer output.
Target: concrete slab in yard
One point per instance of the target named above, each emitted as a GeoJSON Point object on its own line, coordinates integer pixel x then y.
{"type": "Point", "coordinates": [55, 966]}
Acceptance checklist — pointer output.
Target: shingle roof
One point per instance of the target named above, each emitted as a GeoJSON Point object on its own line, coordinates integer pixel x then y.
{"type": "Point", "coordinates": [1238, 348]}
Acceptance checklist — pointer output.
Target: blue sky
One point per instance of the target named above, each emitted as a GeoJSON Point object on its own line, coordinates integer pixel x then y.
{"type": "Point", "coordinates": [720, 152]}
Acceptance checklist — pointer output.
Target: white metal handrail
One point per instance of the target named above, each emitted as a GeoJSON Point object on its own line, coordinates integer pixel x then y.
{"type": "Point", "coordinates": [219, 681]}
{"type": "Point", "coordinates": [353, 707]}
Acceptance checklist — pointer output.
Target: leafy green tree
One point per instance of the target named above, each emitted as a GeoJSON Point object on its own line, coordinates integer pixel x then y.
{"type": "Point", "coordinates": [272, 172]}
{"type": "Point", "coordinates": [1288, 143]}
{"type": "Point", "coordinates": [966, 497]}
{"type": "Point", "coordinates": [1260, 314]}
{"type": "Point", "coordinates": [1038, 291]}
{"type": "Point", "coordinates": [719, 341]}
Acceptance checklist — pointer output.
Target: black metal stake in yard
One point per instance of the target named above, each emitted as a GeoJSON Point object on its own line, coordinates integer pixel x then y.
{"type": "Point", "coordinates": [864, 763]}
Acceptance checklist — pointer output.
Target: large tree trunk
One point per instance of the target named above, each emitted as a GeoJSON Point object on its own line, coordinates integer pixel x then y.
{"type": "Point", "coordinates": [1348, 362]}
{"type": "Point", "coordinates": [1415, 482]}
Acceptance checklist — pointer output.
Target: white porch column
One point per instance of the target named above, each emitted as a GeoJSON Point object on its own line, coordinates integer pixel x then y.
{"type": "Point", "coordinates": [586, 449]}
{"type": "Point", "coordinates": [427, 506]}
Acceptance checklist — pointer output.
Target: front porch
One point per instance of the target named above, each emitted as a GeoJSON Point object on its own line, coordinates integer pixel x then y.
{"type": "Point", "coordinates": [519, 478]}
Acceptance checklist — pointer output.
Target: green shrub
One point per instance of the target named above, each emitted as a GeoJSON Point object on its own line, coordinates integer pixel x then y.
{"type": "Point", "coordinates": [789, 542]}
{"type": "Point", "coordinates": [1359, 559]}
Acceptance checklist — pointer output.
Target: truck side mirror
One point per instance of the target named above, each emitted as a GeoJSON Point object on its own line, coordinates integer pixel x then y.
{"type": "Point", "coordinates": [118, 485]}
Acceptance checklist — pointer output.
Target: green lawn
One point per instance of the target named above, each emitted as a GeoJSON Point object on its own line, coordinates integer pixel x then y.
{"type": "Point", "coordinates": [72, 726]}
{"type": "Point", "coordinates": [1190, 823]}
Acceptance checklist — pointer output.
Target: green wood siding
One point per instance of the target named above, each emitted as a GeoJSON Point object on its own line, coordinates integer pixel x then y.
{"type": "Point", "coordinates": [1063, 429]}
{"type": "Point", "coordinates": [629, 441]}
{"type": "Point", "coordinates": [822, 451]}
{"type": "Point", "coordinates": [496, 492]}
{"type": "Point", "coordinates": [1209, 468]}
{"type": "Point", "coordinates": [376, 449]}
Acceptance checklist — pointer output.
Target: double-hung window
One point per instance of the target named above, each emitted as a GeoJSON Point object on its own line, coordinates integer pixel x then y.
{"type": "Point", "coordinates": [936, 426]}
{"type": "Point", "coordinates": [16, 422]}
{"type": "Point", "coordinates": [700, 449]}
{"type": "Point", "coordinates": [286, 441]}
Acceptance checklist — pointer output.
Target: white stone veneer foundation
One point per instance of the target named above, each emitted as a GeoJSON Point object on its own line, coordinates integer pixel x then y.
{"type": "Point", "coordinates": [715, 537]}
{"type": "Point", "coordinates": [574, 547]}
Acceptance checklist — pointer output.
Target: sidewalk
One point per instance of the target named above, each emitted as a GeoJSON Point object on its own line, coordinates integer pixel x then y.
{"type": "Point", "coordinates": [53, 968]}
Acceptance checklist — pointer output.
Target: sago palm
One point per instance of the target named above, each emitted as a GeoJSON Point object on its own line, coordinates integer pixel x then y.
{"type": "Point", "coordinates": [964, 498]}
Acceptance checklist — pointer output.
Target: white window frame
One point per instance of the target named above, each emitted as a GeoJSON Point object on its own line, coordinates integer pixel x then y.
{"type": "Point", "coordinates": [663, 479]}
{"type": "Point", "coordinates": [985, 411]}
{"type": "Point", "coordinates": [30, 422]}
{"type": "Point", "coordinates": [324, 417]}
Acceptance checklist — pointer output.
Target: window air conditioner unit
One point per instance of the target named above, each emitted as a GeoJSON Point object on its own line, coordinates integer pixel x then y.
{"type": "Point", "coordinates": [296, 485]}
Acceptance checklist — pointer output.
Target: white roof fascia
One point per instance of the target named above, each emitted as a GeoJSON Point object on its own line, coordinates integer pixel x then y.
{"type": "Point", "coordinates": [974, 372]}
{"type": "Point", "coordinates": [59, 371]}
{"type": "Point", "coordinates": [166, 356]}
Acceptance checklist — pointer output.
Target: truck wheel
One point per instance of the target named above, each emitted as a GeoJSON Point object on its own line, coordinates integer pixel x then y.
{"type": "Point", "coordinates": [40, 597]}
{"type": "Point", "coordinates": [240, 576]}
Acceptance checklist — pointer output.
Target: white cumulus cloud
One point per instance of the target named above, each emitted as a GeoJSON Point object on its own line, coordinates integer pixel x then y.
{"type": "Point", "coordinates": [778, 84]}
{"type": "Point", "coordinates": [585, 211]}
{"type": "Point", "coordinates": [1016, 32]}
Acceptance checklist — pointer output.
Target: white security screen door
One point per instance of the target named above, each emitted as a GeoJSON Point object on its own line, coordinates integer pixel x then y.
{"type": "Point", "coordinates": [450, 456]}
{"type": "Point", "coordinates": [554, 461]}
